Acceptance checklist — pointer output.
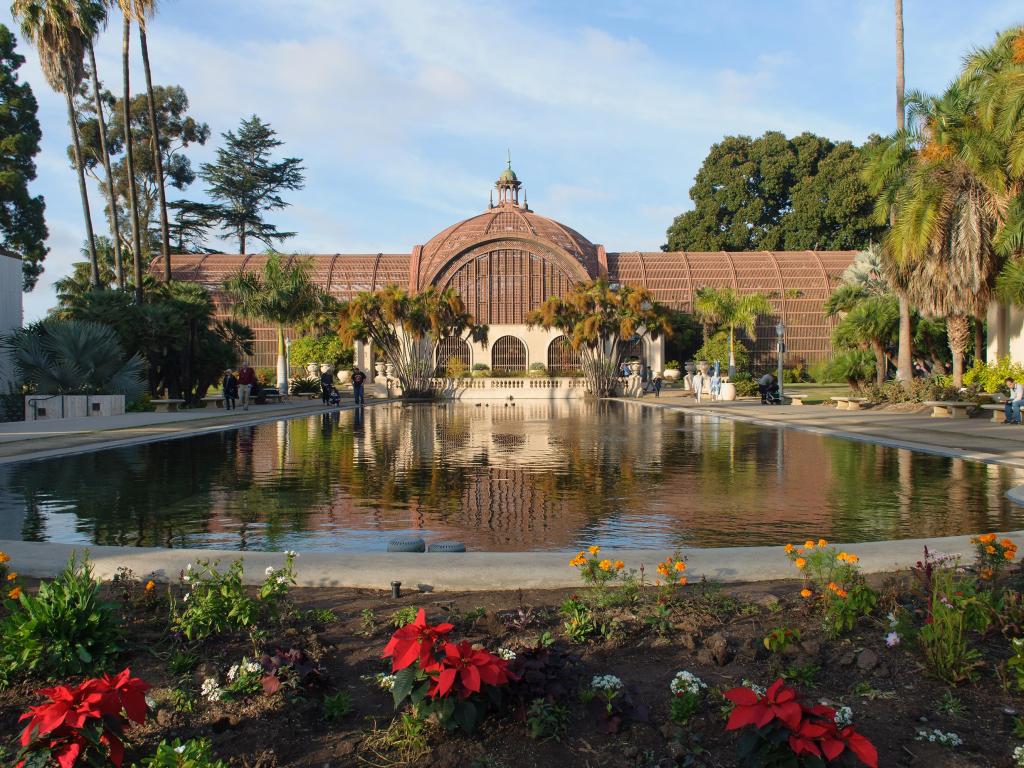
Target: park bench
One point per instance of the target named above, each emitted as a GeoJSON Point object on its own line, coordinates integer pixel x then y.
{"type": "Point", "coordinates": [849, 403]}
{"type": "Point", "coordinates": [217, 400]}
{"type": "Point", "coordinates": [949, 409]}
{"type": "Point", "coordinates": [795, 399]}
{"type": "Point", "coordinates": [273, 397]}
{"type": "Point", "coordinates": [166, 406]}
{"type": "Point", "coordinates": [998, 412]}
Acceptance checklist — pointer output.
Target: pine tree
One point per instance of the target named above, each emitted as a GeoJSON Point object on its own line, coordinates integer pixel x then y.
{"type": "Point", "coordinates": [22, 229]}
{"type": "Point", "coordinates": [244, 183]}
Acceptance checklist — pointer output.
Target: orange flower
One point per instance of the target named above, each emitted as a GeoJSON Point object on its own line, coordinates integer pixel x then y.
{"type": "Point", "coordinates": [800, 551]}
{"type": "Point", "coordinates": [12, 576]}
{"type": "Point", "coordinates": [1008, 544]}
{"type": "Point", "coordinates": [809, 544]}
{"type": "Point", "coordinates": [680, 565]}
{"type": "Point", "coordinates": [852, 559]}
{"type": "Point", "coordinates": [985, 573]}
{"type": "Point", "coordinates": [682, 581]}
{"type": "Point", "coordinates": [663, 569]}
{"type": "Point", "coordinates": [605, 565]}
{"type": "Point", "coordinates": [805, 593]}
{"type": "Point", "coordinates": [594, 549]}
{"type": "Point", "coordinates": [789, 548]}
{"type": "Point", "coordinates": [619, 565]}
{"type": "Point", "coordinates": [841, 592]}
{"type": "Point", "coordinates": [822, 543]}
{"type": "Point", "coordinates": [990, 549]}
{"type": "Point", "coordinates": [799, 562]}
{"type": "Point", "coordinates": [4, 557]}
{"type": "Point", "coordinates": [150, 585]}
{"type": "Point", "coordinates": [833, 586]}
{"type": "Point", "coordinates": [988, 538]}
{"type": "Point", "coordinates": [1008, 554]}
{"type": "Point", "coordinates": [15, 593]}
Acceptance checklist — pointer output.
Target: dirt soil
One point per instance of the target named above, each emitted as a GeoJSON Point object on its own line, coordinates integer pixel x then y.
{"type": "Point", "coordinates": [716, 633]}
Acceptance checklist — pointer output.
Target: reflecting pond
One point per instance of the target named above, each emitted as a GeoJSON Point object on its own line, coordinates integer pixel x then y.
{"type": "Point", "coordinates": [528, 477]}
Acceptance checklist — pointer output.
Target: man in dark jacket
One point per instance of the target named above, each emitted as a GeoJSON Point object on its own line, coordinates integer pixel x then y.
{"type": "Point", "coordinates": [326, 385]}
{"type": "Point", "coordinates": [230, 389]}
{"type": "Point", "coordinates": [358, 379]}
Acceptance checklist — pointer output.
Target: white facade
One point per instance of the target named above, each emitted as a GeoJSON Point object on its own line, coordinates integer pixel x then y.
{"type": "Point", "coordinates": [10, 312]}
{"type": "Point", "coordinates": [1005, 332]}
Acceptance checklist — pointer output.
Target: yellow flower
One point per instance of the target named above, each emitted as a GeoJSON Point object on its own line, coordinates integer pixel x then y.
{"type": "Point", "coordinates": [680, 565]}
{"type": "Point", "coordinates": [605, 565]}
{"type": "Point", "coordinates": [789, 548]}
{"type": "Point", "coordinates": [799, 562]}
{"type": "Point", "coordinates": [809, 544]}
{"type": "Point", "coordinates": [852, 559]}
{"type": "Point", "coordinates": [805, 592]}
{"type": "Point", "coordinates": [15, 593]}
{"type": "Point", "coordinates": [12, 576]}
{"type": "Point", "coordinates": [842, 557]}
{"type": "Point", "coordinates": [822, 543]}
{"type": "Point", "coordinates": [150, 585]}
{"type": "Point", "coordinates": [4, 557]}
{"type": "Point", "coordinates": [594, 549]}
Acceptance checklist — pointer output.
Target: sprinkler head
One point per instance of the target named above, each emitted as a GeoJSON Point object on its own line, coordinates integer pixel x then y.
{"type": "Point", "coordinates": [396, 589]}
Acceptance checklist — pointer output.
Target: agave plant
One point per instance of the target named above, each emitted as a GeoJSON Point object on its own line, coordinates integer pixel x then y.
{"type": "Point", "coordinates": [73, 357]}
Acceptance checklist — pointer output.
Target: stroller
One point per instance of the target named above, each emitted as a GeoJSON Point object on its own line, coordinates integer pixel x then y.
{"type": "Point", "coordinates": [334, 398]}
{"type": "Point", "coordinates": [773, 396]}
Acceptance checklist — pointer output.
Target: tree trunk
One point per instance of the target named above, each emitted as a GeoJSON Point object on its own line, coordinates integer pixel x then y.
{"type": "Point", "coordinates": [115, 229]}
{"type": "Point", "coordinates": [133, 192]}
{"type": "Point", "coordinates": [158, 163]}
{"type": "Point", "coordinates": [958, 331]}
{"type": "Point", "coordinates": [241, 240]}
{"type": "Point", "coordinates": [905, 350]}
{"type": "Point", "coordinates": [979, 340]}
{"type": "Point", "coordinates": [900, 86]}
{"type": "Point", "coordinates": [881, 362]}
{"type": "Point", "coordinates": [282, 373]}
{"type": "Point", "coordinates": [94, 271]}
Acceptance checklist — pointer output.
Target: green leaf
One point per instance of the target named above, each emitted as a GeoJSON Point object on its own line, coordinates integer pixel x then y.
{"type": "Point", "coordinates": [405, 679]}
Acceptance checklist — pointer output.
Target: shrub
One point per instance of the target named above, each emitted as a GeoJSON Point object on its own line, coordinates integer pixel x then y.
{"type": "Point", "coordinates": [780, 638]}
{"type": "Point", "coordinates": [717, 348]}
{"type": "Point", "coordinates": [85, 723]}
{"type": "Point", "coordinates": [672, 571]}
{"type": "Point", "coordinates": [853, 366]}
{"type": "Point", "coordinates": [672, 365]}
{"type": "Point", "coordinates": [304, 385]}
{"type": "Point", "coordinates": [579, 622]}
{"type": "Point", "coordinates": [745, 384]}
{"type": "Point", "coordinates": [326, 348]}
{"type": "Point", "coordinates": [833, 579]}
{"type": "Point", "coordinates": [779, 730]}
{"type": "Point", "coordinates": [337, 705]}
{"type": "Point", "coordinates": [454, 368]}
{"type": "Point", "coordinates": [596, 570]}
{"type": "Point", "coordinates": [195, 753]}
{"type": "Point", "coordinates": [547, 720]}
{"type": "Point", "coordinates": [991, 377]}
{"type": "Point", "coordinates": [65, 629]}
{"type": "Point", "coordinates": [953, 612]}
{"type": "Point", "coordinates": [993, 554]}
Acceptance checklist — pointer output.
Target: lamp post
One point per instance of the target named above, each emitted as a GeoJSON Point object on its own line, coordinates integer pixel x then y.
{"type": "Point", "coordinates": [780, 333]}
{"type": "Point", "coordinates": [287, 363]}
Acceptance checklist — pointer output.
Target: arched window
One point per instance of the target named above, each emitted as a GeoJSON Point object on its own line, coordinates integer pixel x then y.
{"type": "Point", "coordinates": [508, 355]}
{"type": "Point", "coordinates": [450, 347]}
{"type": "Point", "coordinates": [562, 358]}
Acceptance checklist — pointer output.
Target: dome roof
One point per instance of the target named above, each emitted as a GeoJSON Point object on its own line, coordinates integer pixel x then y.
{"type": "Point", "coordinates": [508, 175]}
{"type": "Point", "coordinates": [506, 221]}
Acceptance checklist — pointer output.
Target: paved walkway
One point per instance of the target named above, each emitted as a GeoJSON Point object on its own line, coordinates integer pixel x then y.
{"type": "Point", "coordinates": [41, 439]}
{"type": "Point", "coordinates": [978, 438]}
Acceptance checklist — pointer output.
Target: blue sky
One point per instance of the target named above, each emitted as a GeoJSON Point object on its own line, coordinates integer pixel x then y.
{"type": "Point", "coordinates": [403, 111]}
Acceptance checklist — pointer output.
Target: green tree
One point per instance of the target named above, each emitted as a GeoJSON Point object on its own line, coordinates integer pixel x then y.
{"type": "Point", "coordinates": [871, 323]}
{"type": "Point", "coordinates": [190, 225]}
{"type": "Point", "coordinates": [596, 319]}
{"type": "Point", "coordinates": [283, 293]}
{"type": "Point", "coordinates": [245, 183]}
{"type": "Point", "coordinates": [60, 30]}
{"type": "Point", "coordinates": [726, 308]}
{"type": "Point", "coordinates": [129, 11]}
{"type": "Point", "coordinates": [22, 228]}
{"type": "Point", "coordinates": [406, 328]}
{"type": "Point", "coordinates": [772, 193]}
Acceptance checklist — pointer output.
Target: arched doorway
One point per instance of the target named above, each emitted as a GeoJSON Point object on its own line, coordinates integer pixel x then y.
{"type": "Point", "coordinates": [508, 355]}
{"type": "Point", "coordinates": [632, 349]}
{"type": "Point", "coordinates": [562, 358]}
{"type": "Point", "coordinates": [451, 347]}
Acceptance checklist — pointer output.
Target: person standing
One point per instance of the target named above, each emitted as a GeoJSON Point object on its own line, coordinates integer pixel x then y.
{"type": "Point", "coordinates": [358, 379]}
{"type": "Point", "coordinates": [326, 385]}
{"type": "Point", "coordinates": [246, 378]}
{"type": "Point", "coordinates": [716, 383]}
{"type": "Point", "coordinates": [698, 384]}
{"type": "Point", "coordinates": [230, 389]}
{"type": "Point", "coordinates": [1013, 404]}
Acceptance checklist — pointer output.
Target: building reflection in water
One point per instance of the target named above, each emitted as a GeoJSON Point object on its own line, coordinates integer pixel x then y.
{"type": "Point", "coordinates": [502, 477]}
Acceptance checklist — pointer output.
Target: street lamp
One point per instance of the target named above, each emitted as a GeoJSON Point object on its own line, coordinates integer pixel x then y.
{"type": "Point", "coordinates": [780, 333]}
{"type": "Point", "coordinates": [287, 363]}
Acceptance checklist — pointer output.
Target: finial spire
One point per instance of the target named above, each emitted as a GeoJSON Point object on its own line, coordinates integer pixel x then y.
{"type": "Point", "coordinates": [508, 162]}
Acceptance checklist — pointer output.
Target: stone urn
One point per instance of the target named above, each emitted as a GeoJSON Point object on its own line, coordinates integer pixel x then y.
{"type": "Point", "coordinates": [634, 367]}
{"type": "Point", "coordinates": [379, 368]}
{"type": "Point", "coordinates": [312, 369]}
{"type": "Point", "coordinates": [670, 374]}
{"type": "Point", "coordinates": [727, 392]}
{"type": "Point", "coordinates": [344, 376]}
{"type": "Point", "coordinates": [389, 370]}
{"type": "Point", "coordinates": [702, 366]}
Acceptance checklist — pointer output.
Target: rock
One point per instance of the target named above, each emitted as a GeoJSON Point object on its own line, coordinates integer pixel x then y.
{"type": "Point", "coordinates": [846, 659]}
{"type": "Point", "coordinates": [705, 657]}
{"type": "Point", "coordinates": [767, 601]}
{"type": "Point", "coordinates": [660, 642]}
{"type": "Point", "coordinates": [867, 660]}
{"type": "Point", "coordinates": [811, 647]}
{"type": "Point", "coordinates": [164, 717]}
{"type": "Point", "coordinates": [718, 645]}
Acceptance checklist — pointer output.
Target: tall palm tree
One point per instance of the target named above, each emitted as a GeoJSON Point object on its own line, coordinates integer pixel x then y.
{"type": "Point", "coordinates": [282, 293]}
{"type": "Point", "coordinates": [115, 228]}
{"type": "Point", "coordinates": [129, 12]}
{"type": "Point", "coordinates": [904, 353]}
{"type": "Point", "coordinates": [60, 30]}
{"type": "Point", "coordinates": [144, 10]}
{"type": "Point", "coordinates": [726, 307]}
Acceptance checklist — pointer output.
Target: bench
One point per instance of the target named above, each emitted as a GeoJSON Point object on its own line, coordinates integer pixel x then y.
{"type": "Point", "coordinates": [998, 412]}
{"type": "Point", "coordinates": [166, 406]}
{"type": "Point", "coordinates": [218, 400]}
{"type": "Point", "coordinates": [795, 399]}
{"type": "Point", "coordinates": [849, 403]}
{"type": "Point", "coordinates": [273, 397]}
{"type": "Point", "coordinates": [948, 409]}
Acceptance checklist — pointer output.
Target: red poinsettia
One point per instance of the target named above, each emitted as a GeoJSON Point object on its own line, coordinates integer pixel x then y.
{"type": "Point", "coordinates": [471, 667]}
{"type": "Point", "coordinates": [91, 715]}
{"type": "Point", "coordinates": [415, 642]}
{"type": "Point", "coordinates": [778, 703]}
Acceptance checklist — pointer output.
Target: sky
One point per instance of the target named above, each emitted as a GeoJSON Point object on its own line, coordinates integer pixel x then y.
{"type": "Point", "coordinates": [403, 110]}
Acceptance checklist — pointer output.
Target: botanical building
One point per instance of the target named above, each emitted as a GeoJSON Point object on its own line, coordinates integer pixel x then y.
{"type": "Point", "coordinates": [508, 259]}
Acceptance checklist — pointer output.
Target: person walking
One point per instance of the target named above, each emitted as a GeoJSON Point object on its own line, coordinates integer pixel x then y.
{"type": "Point", "coordinates": [326, 385]}
{"type": "Point", "coordinates": [716, 383]}
{"type": "Point", "coordinates": [656, 385]}
{"type": "Point", "coordinates": [698, 385]}
{"type": "Point", "coordinates": [229, 386]}
{"type": "Point", "coordinates": [358, 379]}
{"type": "Point", "coordinates": [246, 378]}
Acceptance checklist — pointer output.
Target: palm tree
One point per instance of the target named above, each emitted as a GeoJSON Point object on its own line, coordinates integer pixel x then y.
{"type": "Point", "coordinates": [725, 306]}
{"type": "Point", "coordinates": [282, 293]}
{"type": "Point", "coordinates": [145, 9]}
{"type": "Point", "coordinates": [60, 31]}
{"type": "Point", "coordinates": [904, 350]}
{"type": "Point", "coordinates": [870, 322]}
{"type": "Point", "coordinates": [128, 12]}
{"type": "Point", "coordinates": [115, 229]}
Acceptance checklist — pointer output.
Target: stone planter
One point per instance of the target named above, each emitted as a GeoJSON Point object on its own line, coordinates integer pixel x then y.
{"type": "Point", "coordinates": [344, 376]}
{"type": "Point", "coordinates": [671, 374]}
{"type": "Point", "coordinates": [46, 407]}
{"type": "Point", "coordinates": [727, 392]}
{"type": "Point", "coordinates": [313, 370]}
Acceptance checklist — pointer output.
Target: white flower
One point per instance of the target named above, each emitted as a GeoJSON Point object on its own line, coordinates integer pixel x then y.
{"type": "Point", "coordinates": [282, 580]}
{"type": "Point", "coordinates": [188, 567]}
{"type": "Point", "coordinates": [892, 639]}
{"type": "Point", "coordinates": [387, 682]}
{"type": "Point", "coordinates": [211, 689]}
{"type": "Point", "coordinates": [844, 717]}
{"type": "Point", "coordinates": [892, 620]}
{"type": "Point", "coordinates": [758, 689]}
{"type": "Point", "coordinates": [506, 653]}
{"type": "Point", "coordinates": [270, 570]}
{"type": "Point", "coordinates": [291, 553]}
{"type": "Point", "coordinates": [686, 682]}
{"type": "Point", "coordinates": [935, 736]}
{"type": "Point", "coordinates": [180, 749]}
{"type": "Point", "coordinates": [251, 667]}
{"type": "Point", "coordinates": [607, 683]}
{"type": "Point", "coordinates": [1018, 756]}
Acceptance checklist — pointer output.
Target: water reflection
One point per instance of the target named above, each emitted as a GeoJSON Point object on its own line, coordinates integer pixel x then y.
{"type": "Point", "coordinates": [533, 476]}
